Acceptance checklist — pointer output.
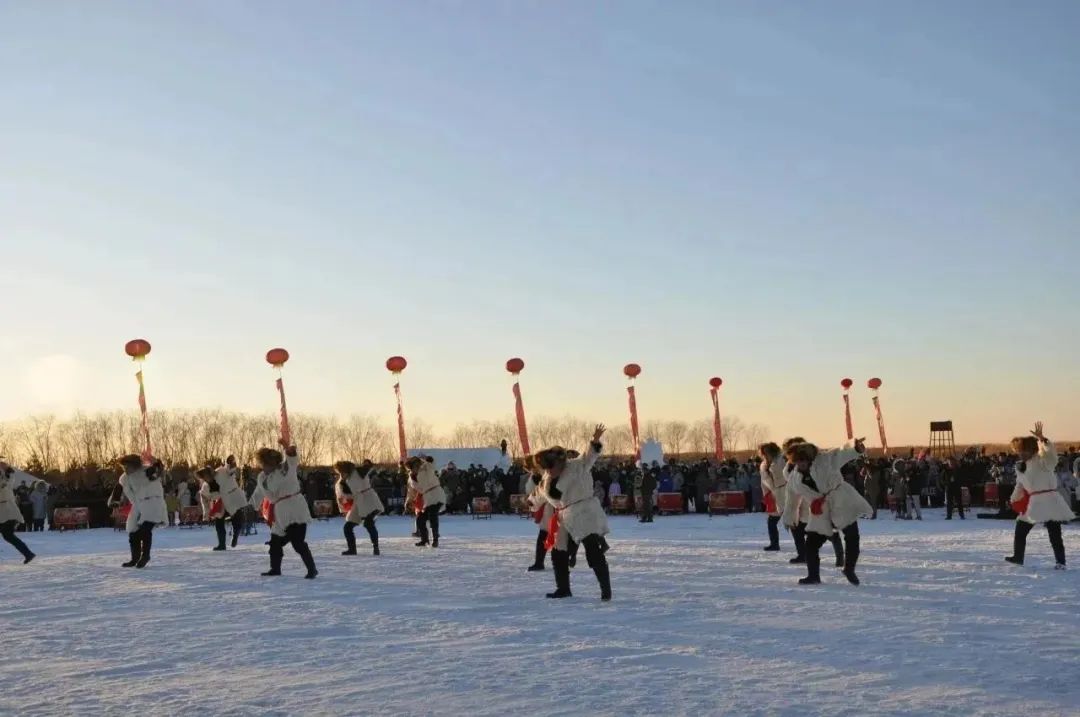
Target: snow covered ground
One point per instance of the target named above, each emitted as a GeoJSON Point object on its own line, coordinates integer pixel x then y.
{"type": "Point", "coordinates": [703, 623]}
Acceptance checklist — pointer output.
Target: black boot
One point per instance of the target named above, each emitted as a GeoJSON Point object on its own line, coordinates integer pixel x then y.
{"type": "Point", "coordinates": [276, 553]}
{"type": "Point", "coordinates": [851, 552]}
{"type": "Point", "coordinates": [571, 552]}
{"type": "Point", "coordinates": [1019, 542]}
{"type": "Point", "coordinates": [133, 543]}
{"type": "Point", "coordinates": [538, 562]}
{"type": "Point", "coordinates": [350, 540]}
{"type": "Point", "coordinates": [373, 534]}
{"type": "Point", "coordinates": [144, 553]}
{"type": "Point", "coordinates": [560, 563]}
{"type": "Point", "coordinates": [309, 561]}
{"type": "Point", "coordinates": [434, 520]}
{"type": "Point", "coordinates": [838, 548]}
{"type": "Point", "coordinates": [774, 534]}
{"type": "Point", "coordinates": [603, 576]}
{"type": "Point", "coordinates": [1053, 529]}
{"type": "Point", "coordinates": [219, 525]}
{"type": "Point", "coordinates": [813, 562]}
{"type": "Point", "coordinates": [798, 535]}
{"type": "Point", "coordinates": [237, 527]}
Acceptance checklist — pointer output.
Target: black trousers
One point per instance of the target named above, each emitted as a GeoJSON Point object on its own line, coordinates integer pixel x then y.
{"type": "Point", "coordinates": [141, 541]}
{"type": "Point", "coordinates": [237, 522]}
{"type": "Point", "coordinates": [295, 535]}
{"type": "Point", "coordinates": [369, 526]}
{"type": "Point", "coordinates": [847, 552]}
{"type": "Point", "coordinates": [39, 525]}
{"type": "Point", "coordinates": [953, 499]}
{"type": "Point", "coordinates": [595, 547]}
{"type": "Point", "coordinates": [430, 517]}
{"type": "Point", "coordinates": [1053, 529]}
{"type": "Point", "coordinates": [7, 532]}
{"type": "Point", "coordinates": [647, 507]}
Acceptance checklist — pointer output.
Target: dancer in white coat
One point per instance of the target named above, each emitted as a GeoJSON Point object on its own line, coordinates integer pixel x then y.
{"type": "Point", "coordinates": [834, 504]}
{"type": "Point", "coordinates": [428, 499]}
{"type": "Point", "coordinates": [141, 485]}
{"type": "Point", "coordinates": [283, 507]}
{"type": "Point", "coordinates": [568, 487]}
{"type": "Point", "coordinates": [358, 502]}
{"type": "Point", "coordinates": [773, 490]}
{"type": "Point", "coordinates": [796, 514]}
{"type": "Point", "coordinates": [10, 515]}
{"type": "Point", "coordinates": [221, 497]}
{"type": "Point", "coordinates": [1036, 498]}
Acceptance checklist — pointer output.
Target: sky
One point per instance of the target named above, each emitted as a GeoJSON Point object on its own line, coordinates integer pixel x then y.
{"type": "Point", "coordinates": [781, 194]}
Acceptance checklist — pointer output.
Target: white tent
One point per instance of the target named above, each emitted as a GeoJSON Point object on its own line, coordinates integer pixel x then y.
{"type": "Point", "coordinates": [464, 457]}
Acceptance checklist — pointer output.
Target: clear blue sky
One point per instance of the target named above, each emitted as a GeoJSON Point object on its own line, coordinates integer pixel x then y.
{"type": "Point", "coordinates": [779, 193]}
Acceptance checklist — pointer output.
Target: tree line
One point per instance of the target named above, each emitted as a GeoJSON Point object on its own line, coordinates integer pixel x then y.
{"type": "Point", "coordinates": [193, 437]}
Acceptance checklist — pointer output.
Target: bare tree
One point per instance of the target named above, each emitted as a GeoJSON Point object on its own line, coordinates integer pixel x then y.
{"type": "Point", "coordinates": [674, 436]}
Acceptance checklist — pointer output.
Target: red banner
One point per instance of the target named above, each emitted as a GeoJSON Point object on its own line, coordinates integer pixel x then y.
{"type": "Point", "coordinates": [286, 434]}
{"type": "Point", "coordinates": [400, 422]}
{"type": "Point", "coordinates": [147, 454]}
{"type": "Point", "coordinates": [718, 431]}
{"type": "Point", "coordinates": [634, 422]}
{"type": "Point", "coordinates": [523, 431]}
{"type": "Point", "coordinates": [881, 425]}
{"type": "Point", "coordinates": [847, 416]}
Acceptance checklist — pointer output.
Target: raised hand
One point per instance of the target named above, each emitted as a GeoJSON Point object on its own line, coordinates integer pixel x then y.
{"type": "Point", "coordinates": [599, 432]}
{"type": "Point", "coordinates": [860, 445]}
{"type": "Point", "coordinates": [1038, 432]}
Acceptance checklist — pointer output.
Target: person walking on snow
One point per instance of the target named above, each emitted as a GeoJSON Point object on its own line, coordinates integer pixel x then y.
{"type": "Point", "coordinates": [428, 500]}
{"type": "Point", "coordinates": [1036, 498]}
{"type": "Point", "coordinates": [10, 515]}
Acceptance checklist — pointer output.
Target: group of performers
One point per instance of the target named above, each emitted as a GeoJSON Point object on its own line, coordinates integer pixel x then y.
{"type": "Point", "coordinates": [803, 488]}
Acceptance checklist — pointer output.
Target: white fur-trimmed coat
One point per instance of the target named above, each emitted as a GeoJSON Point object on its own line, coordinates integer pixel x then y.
{"type": "Point", "coordinates": [774, 483]}
{"type": "Point", "coordinates": [843, 505]}
{"type": "Point", "coordinates": [9, 504]}
{"type": "Point", "coordinates": [1041, 476]}
{"type": "Point", "coordinates": [147, 498]}
{"type": "Point", "coordinates": [426, 483]}
{"type": "Point", "coordinates": [537, 501]}
{"type": "Point", "coordinates": [232, 495]}
{"type": "Point", "coordinates": [365, 500]}
{"type": "Point", "coordinates": [796, 510]}
{"type": "Point", "coordinates": [580, 513]}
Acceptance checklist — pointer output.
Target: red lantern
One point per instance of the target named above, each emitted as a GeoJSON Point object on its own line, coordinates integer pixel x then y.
{"type": "Point", "coordinates": [396, 364]}
{"type": "Point", "coordinates": [137, 349]}
{"type": "Point", "coordinates": [632, 370]}
{"type": "Point", "coordinates": [277, 357]}
{"type": "Point", "coordinates": [874, 383]}
{"type": "Point", "coordinates": [716, 382]}
{"type": "Point", "coordinates": [515, 366]}
{"type": "Point", "coordinates": [847, 383]}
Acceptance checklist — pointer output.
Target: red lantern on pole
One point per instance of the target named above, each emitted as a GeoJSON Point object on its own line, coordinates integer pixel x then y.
{"type": "Point", "coordinates": [718, 432]}
{"type": "Point", "coordinates": [846, 384]}
{"type": "Point", "coordinates": [138, 350]}
{"type": "Point", "coordinates": [515, 366]}
{"type": "Point", "coordinates": [395, 365]}
{"type": "Point", "coordinates": [632, 371]}
{"type": "Point", "coordinates": [277, 358]}
{"type": "Point", "coordinates": [874, 384]}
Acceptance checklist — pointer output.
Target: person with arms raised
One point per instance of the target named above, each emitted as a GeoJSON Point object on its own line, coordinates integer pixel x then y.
{"type": "Point", "coordinates": [1036, 498]}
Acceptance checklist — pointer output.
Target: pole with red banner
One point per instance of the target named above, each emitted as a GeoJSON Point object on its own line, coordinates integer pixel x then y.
{"type": "Point", "coordinates": [718, 431]}
{"type": "Point", "coordinates": [846, 384]}
{"type": "Point", "coordinates": [515, 366]}
{"type": "Point", "coordinates": [138, 350]}
{"type": "Point", "coordinates": [395, 365]}
{"type": "Point", "coordinates": [874, 384]}
{"type": "Point", "coordinates": [277, 359]}
{"type": "Point", "coordinates": [632, 371]}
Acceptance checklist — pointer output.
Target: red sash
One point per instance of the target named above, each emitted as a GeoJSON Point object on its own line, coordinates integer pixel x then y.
{"type": "Point", "coordinates": [268, 508]}
{"type": "Point", "coordinates": [770, 503]}
{"type": "Point", "coordinates": [553, 524]}
{"type": "Point", "coordinates": [538, 515]}
{"type": "Point", "coordinates": [817, 505]}
{"type": "Point", "coordinates": [217, 506]}
{"type": "Point", "coordinates": [1020, 505]}
{"type": "Point", "coordinates": [347, 504]}
{"type": "Point", "coordinates": [124, 510]}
